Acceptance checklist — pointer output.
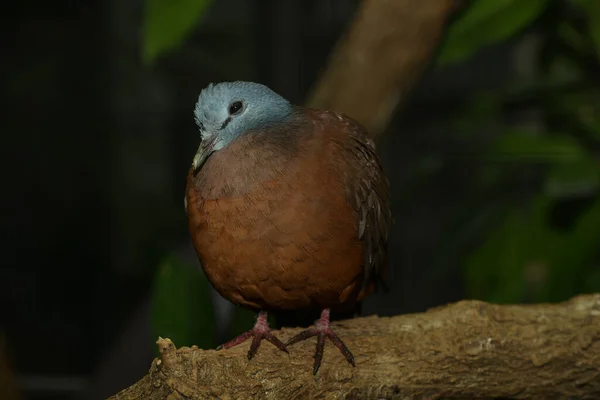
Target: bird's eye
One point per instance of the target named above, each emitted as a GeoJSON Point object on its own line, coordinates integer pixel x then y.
{"type": "Point", "coordinates": [236, 107]}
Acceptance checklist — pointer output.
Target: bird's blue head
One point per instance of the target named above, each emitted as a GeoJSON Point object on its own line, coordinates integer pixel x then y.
{"type": "Point", "coordinates": [226, 110]}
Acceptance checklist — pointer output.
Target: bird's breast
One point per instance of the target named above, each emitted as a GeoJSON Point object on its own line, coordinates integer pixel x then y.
{"type": "Point", "coordinates": [274, 230]}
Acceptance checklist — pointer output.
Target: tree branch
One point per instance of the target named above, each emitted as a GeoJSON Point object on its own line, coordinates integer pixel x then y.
{"type": "Point", "coordinates": [376, 63]}
{"type": "Point", "coordinates": [469, 349]}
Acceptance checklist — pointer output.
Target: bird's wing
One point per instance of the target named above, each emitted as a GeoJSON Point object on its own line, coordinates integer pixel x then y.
{"type": "Point", "coordinates": [367, 190]}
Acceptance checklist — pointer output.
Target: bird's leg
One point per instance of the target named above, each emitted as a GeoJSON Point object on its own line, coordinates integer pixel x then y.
{"type": "Point", "coordinates": [322, 330]}
{"type": "Point", "coordinates": [259, 332]}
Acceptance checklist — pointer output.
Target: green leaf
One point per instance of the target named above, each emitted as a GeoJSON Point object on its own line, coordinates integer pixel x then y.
{"type": "Point", "coordinates": [182, 308]}
{"type": "Point", "coordinates": [562, 70]}
{"type": "Point", "coordinates": [501, 269]}
{"type": "Point", "coordinates": [167, 23]}
{"type": "Point", "coordinates": [524, 146]}
{"type": "Point", "coordinates": [592, 10]}
{"type": "Point", "coordinates": [570, 36]}
{"type": "Point", "coordinates": [487, 22]}
{"type": "Point", "coordinates": [577, 178]}
{"type": "Point", "coordinates": [581, 107]}
{"type": "Point", "coordinates": [524, 259]}
{"type": "Point", "coordinates": [576, 256]}
{"type": "Point", "coordinates": [591, 282]}
{"type": "Point", "coordinates": [595, 129]}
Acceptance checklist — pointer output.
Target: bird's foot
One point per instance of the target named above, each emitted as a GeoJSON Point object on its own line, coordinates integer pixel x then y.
{"type": "Point", "coordinates": [322, 330]}
{"type": "Point", "coordinates": [260, 331]}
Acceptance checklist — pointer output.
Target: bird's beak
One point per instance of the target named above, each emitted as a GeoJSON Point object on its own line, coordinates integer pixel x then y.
{"type": "Point", "coordinates": [205, 150]}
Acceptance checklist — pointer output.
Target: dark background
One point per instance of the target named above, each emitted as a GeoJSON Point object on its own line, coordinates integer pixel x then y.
{"type": "Point", "coordinates": [493, 164]}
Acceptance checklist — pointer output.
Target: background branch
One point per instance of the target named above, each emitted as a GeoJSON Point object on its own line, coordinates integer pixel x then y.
{"type": "Point", "coordinates": [469, 349]}
{"type": "Point", "coordinates": [374, 65]}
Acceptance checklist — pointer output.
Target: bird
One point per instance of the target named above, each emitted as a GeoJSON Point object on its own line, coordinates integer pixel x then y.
{"type": "Point", "coordinates": [288, 209]}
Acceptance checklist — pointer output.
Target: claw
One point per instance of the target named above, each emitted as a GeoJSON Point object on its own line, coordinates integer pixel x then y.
{"type": "Point", "coordinates": [322, 330]}
{"type": "Point", "coordinates": [259, 332]}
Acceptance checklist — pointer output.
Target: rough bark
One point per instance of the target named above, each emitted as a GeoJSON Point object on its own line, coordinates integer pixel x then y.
{"type": "Point", "coordinates": [469, 349]}
{"type": "Point", "coordinates": [378, 60]}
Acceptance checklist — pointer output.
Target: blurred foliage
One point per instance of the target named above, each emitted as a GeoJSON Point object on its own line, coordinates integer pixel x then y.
{"type": "Point", "coordinates": [486, 22]}
{"type": "Point", "coordinates": [167, 23]}
{"type": "Point", "coordinates": [541, 242]}
{"type": "Point", "coordinates": [592, 10]}
{"type": "Point", "coordinates": [528, 259]}
{"type": "Point", "coordinates": [182, 309]}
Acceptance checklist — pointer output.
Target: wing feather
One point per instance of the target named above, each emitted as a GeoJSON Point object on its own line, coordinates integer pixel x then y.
{"type": "Point", "coordinates": [367, 190]}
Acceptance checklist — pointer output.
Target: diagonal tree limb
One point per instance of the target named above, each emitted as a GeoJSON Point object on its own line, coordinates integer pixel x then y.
{"type": "Point", "coordinates": [377, 62]}
{"type": "Point", "coordinates": [469, 349]}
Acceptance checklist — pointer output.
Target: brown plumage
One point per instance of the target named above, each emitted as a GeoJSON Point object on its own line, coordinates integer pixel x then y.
{"type": "Point", "coordinates": [290, 216]}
